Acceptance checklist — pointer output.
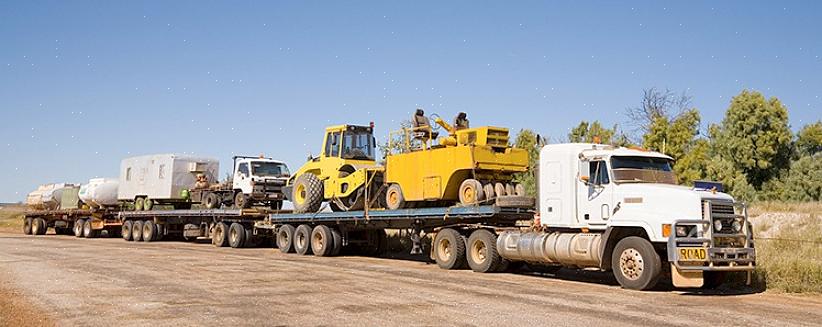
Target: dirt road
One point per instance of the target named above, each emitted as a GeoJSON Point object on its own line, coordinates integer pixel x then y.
{"type": "Point", "coordinates": [100, 282]}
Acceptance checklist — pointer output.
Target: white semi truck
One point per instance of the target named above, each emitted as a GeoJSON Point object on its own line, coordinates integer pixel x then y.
{"type": "Point", "coordinates": [621, 209]}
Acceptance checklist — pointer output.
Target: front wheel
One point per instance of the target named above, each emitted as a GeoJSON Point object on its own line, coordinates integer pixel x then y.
{"type": "Point", "coordinates": [307, 193]}
{"type": "Point", "coordinates": [636, 264]}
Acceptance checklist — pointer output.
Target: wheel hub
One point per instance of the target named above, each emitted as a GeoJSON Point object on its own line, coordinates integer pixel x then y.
{"type": "Point", "coordinates": [445, 250]}
{"type": "Point", "coordinates": [631, 264]}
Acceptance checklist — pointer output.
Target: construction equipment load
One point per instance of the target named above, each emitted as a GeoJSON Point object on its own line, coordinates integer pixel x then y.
{"type": "Point", "coordinates": [99, 192]}
{"type": "Point", "coordinates": [54, 196]}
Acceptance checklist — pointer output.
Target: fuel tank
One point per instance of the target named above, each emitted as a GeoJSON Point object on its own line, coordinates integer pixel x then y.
{"type": "Point", "coordinates": [568, 249]}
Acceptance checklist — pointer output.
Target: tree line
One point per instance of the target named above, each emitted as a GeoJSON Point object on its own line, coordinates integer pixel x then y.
{"type": "Point", "coordinates": [752, 151]}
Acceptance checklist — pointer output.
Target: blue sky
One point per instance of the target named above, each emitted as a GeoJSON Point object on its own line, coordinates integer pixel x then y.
{"type": "Point", "coordinates": [84, 84]}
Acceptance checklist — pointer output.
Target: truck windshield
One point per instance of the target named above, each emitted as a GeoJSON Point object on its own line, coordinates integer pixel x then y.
{"type": "Point", "coordinates": [358, 145]}
{"type": "Point", "coordinates": [642, 170]}
{"type": "Point", "coordinates": [269, 169]}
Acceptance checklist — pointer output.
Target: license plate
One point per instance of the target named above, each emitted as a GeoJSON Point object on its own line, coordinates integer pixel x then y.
{"type": "Point", "coordinates": [692, 254]}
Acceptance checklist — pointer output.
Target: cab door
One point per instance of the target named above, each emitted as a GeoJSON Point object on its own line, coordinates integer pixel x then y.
{"type": "Point", "coordinates": [595, 196]}
{"type": "Point", "coordinates": [242, 178]}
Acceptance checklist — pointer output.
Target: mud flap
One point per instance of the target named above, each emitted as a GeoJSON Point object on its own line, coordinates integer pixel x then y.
{"type": "Point", "coordinates": [686, 279]}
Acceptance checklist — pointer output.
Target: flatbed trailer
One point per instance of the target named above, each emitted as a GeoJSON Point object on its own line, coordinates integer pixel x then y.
{"type": "Point", "coordinates": [79, 222]}
{"type": "Point", "coordinates": [224, 227]}
{"type": "Point", "coordinates": [325, 233]}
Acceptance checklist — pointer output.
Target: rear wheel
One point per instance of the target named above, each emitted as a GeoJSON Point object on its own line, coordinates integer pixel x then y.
{"type": "Point", "coordinates": [488, 189]}
{"type": "Point", "coordinates": [137, 230]}
{"type": "Point", "coordinates": [39, 226]}
{"type": "Point", "coordinates": [88, 232]}
{"type": "Point", "coordinates": [211, 201]}
{"type": "Point", "coordinates": [236, 236]}
{"type": "Point", "coordinates": [393, 198]}
{"type": "Point", "coordinates": [471, 192]}
{"type": "Point", "coordinates": [636, 264]}
{"type": "Point", "coordinates": [149, 231]}
{"type": "Point", "coordinates": [125, 230]}
{"type": "Point", "coordinates": [220, 235]}
{"type": "Point", "coordinates": [138, 204]}
{"type": "Point", "coordinates": [302, 239]}
{"type": "Point", "coordinates": [285, 239]}
{"type": "Point", "coordinates": [240, 200]}
{"type": "Point", "coordinates": [322, 242]}
{"type": "Point", "coordinates": [78, 227]}
{"type": "Point", "coordinates": [449, 249]}
{"type": "Point", "coordinates": [27, 226]}
{"type": "Point", "coordinates": [307, 193]}
{"type": "Point", "coordinates": [482, 252]}
{"type": "Point", "coordinates": [148, 204]}
{"type": "Point", "coordinates": [337, 237]}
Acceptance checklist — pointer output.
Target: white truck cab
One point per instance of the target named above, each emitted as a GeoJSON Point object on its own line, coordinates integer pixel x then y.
{"type": "Point", "coordinates": [259, 179]}
{"type": "Point", "coordinates": [621, 209]}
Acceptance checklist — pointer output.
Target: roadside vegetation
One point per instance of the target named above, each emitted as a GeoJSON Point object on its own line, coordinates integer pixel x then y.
{"type": "Point", "coordinates": [11, 217]}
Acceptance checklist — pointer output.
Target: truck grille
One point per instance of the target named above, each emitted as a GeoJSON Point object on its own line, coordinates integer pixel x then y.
{"type": "Point", "coordinates": [725, 213]}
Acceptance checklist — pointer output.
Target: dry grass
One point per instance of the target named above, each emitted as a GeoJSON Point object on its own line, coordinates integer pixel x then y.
{"type": "Point", "coordinates": [789, 246]}
{"type": "Point", "coordinates": [11, 217]}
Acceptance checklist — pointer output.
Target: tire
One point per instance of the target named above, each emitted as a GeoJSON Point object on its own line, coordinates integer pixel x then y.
{"type": "Point", "coordinates": [78, 227]}
{"type": "Point", "coordinates": [393, 197]}
{"type": "Point", "coordinates": [236, 235]}
{"type": "Point", "coordinates": [449, 249]}
{"type": "Point", "coordinates": [285, 239]}
{"type": "Point", "coordinates": [488, 189]}
{"type": "Point", "coordinates": [302, 240]}
{"type": "Point", "coordinates": [636, 264]}
{"type": "Point", "coordinates": [88, 232]}
{"type": "Point", "coordinates": [126, 230]}
{"type": "Point", "coordinates": [252, 241]}
{"type": "Point", "coordinates": [481, 252]}
{"type": "Point", "coordinates": [39, 226]}
{"type": "Point", "coordinates": [509, 189]}
{"type": "Point", "coordinates": [322, 241]}
{"type": "Point", "coordinates": [307, 194]}
{"type": "Point", "coordinates": [27, 224]}
{"type": "Point", "coordinates": [147, 204]}
{"type": "Point", "coordinates": [220, 235]}
{"type": "Point", "coordinates": [211, 201]}
{"type": "Point", "coordinates": [514, 201]}
{"type": "Point", "coordinates": [337, 237]}
{"type": "Point", "coordinates": [241, 201]}
{"type": "Point", "coordinates": [499, 189]}
{"type": "Point", "coordinates": [519, 190]}
{"type": "Point", "coordinates": [471, 192]}
{"type": "Point", "coordinates": [149, 231]}
{"type": "Point", "coordinates": [137, 230]}
{"type": "Point", "coordinates": [138, 204]}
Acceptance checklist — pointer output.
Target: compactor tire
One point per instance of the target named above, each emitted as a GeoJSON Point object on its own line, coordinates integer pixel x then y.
{"type": "Point", "coordinates": [285, 239]}
{"type": "Point", "coordinates": [514, 201]}
{"type": "Point", "coordinates": [337, 237]}
{"type": "Point", "coordinates": [499, 189]}
{"type": "Point", "coordinates": [88, 232]}
{"type": "Point", "coordinates": [220, 235]}
{"type": "Point", "coordinates": [236, 236]}
{"type": "Point", "coordinates": [307, 193]}
{"type": "Point", "coordinates": [322, 241]}
{"type": "Point", "coordinates": [302, 240]}
{"type": "Point", "coordinates": [126, 230]}
{"type": "Point", "coordinates": [635, 263]}
{"type": "Point", "coordinates": [488, 189]}
{"type": "Point", "coordinates": [136, 230]}
{"type": "Point", "coordinates": [481, 252]}
{"type": "Point", "coordinates": [138, 204]}
{"type": "Point", "coordinates": [211, 201]}
{"type": "Point", "coordinates": [27, 224]}
{"type": "Point", "coordinates": [149, 231]}
{"type": "Point", "coordinates": [393, 197]}
{"type": "Point", "coordinates": [449, 249]}
{"type": "Point", "coordinates": [471, 192]}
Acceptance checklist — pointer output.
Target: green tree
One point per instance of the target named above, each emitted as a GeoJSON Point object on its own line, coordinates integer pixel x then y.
{"type": "Point", "coordinates": [587, 133]}
{"type": "Point", "coordinates": [532, 142]}
{"type": "Point", "coordinates": [802, 182]}
{"type": "Point", "coordinates": [693, 164]}
{"type": "Point", "coordinates": [754, 138]}
{"type": "Point", "coordinates": [809, 139]}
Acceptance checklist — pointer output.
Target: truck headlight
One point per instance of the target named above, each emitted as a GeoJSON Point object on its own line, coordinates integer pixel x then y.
{"type": "Point", "coordinates": [737, 226]}
{"type": "Point", "coordinates": [717, 225]}
{"type": "Point", "coordinates": [681, 231]}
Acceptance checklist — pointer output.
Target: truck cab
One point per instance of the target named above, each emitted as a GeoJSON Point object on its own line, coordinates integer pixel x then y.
{"type": "Point", "coordinates": [622, 209]}
{"type": "Point", "coordinates": [259, 179]}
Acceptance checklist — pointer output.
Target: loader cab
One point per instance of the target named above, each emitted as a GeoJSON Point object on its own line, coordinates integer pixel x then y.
{"type": "Point", "coordinates": [349, 142]}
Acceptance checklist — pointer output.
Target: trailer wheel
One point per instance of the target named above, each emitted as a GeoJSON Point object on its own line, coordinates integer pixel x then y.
{"type": "Point", "coordinates": [449, 249]}
{"type": "Point", "coordinates": [220, 235]}
{"type": "Point", "coordinates": [337, 237]}
{"type": "Point", "coordinates": [148, 204]}
{"type": "Point", "coordinates": [635, 263]}
{"type": "Point", "coordinates": [302, 240]}
{"type": "Point", "coordinates": [307, 193]}
{"type": "Point", "coordinates": [482, 252]}
{"type": "Point", "coordinates": [393, 197]}
{"type": "Point", "coordinates": [27, 226]}
{"type": "Point", "coordinates": [78, 227]}
{"type": "Point", "coordinates": [285, 239]}
{"type": "Point", "coordinates": [126, 230]}
{"type": "Point", "coordinates": [137, 230]}
{"type": "Point", "coordinates": [241, 201]}
{"type": "Point", "coordinates": [471, 192]}
{"type": "Point", "coordinates": [149, 231]}
{"type": "Point", "coordinates": [488, 189]}
{"type": "Point", "coordinates": [212, 201]}
{"type": "Point", "coordinates": [499, 189]}
{"type": "Point", "coordinates": [39, 226]}
{"type": "Point", "coordinates": [88, 232]}
{"type": "Point", "coordinates": [322, 242]}
{"type": "Point", "coordinates": [236, 235]}
{"type": "Point", "coordinates": [138, 204]}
